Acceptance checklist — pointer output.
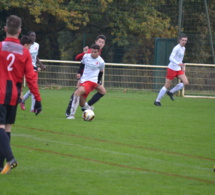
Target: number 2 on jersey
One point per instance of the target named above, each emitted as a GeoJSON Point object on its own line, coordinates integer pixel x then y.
{"type": "Point", "coordinates": [10, 57]}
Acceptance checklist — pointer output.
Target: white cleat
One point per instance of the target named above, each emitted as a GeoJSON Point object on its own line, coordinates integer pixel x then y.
{"type": "Point", "coordinates": [87, 107]}
{"type": "Point", "coordinates": [70, 117]}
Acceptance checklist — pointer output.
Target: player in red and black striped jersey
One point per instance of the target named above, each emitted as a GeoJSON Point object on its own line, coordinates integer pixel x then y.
{"type": "Point", "coordinates": [15, 63]}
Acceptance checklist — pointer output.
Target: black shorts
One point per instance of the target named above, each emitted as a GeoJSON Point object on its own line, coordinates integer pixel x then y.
{"type": "Point", "coordinates": [7, 114]}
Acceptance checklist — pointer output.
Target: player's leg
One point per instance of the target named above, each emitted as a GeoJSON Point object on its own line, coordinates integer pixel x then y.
{"type": "Point", "coordinates": [2, 159]}
{"type": "Point", "coordinates": [96, 97]}
{"type": "Point", "coordinates": [7, 115]}
{"type": "Point", "coordinates": [75, 102]}
{"type": "Point", "coordinates": [82, 100]}
{"type": "Point", "coordinates": [179, 86]}
{"type": "Point", "coordinates": [184, 79]}
{"type": "Point", "coordinates": [25, 97]}
{"type": "Point", "coordinates": [32, 103]}
{"type": "Point", "coordinates": [162, 92]}
{"type": "Point", "coordinates": [20, 98]}
{"type": "Point", "coordinates": [70, 104]}
{"type": "Point", "coordinates": [6, 151]}
{"type": "Point", "coordinates": [71, 99]}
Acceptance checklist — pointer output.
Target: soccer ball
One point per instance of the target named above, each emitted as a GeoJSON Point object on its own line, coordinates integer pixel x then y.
{"type": "Point", "coordinates": [88, 115]}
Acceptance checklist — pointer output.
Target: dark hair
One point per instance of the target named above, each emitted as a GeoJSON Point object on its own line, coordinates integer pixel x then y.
{"type": "Point", "coordinates": [182, 36]}
{"type": "Point", "coordinates": [29, 32]}
{"type": "Point", "coordinates": [95, 46]}
{"type": "Point", "coordinates": [13, 24]}
{"type": "Point", "coordinates": [26, 40]}
{"type": "Point", "coordinates": [101, 37]}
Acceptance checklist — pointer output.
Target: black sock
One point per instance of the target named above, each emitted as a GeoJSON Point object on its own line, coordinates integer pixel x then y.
{"type": "Point", "coordinates": [1, 160]}
{"type": "Point", "coordinates": [5, 148]}
{"type": "Point", "coordinates": [95, 98]}
{"type": "Point", "coordinates": [1, 155]}
{"type": "Point", "coordinates": [69, 105]}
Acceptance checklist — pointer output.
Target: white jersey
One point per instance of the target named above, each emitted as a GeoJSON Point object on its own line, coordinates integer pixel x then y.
{"type": "Point", "coordinates": [34, 50]}
{"type": "Point", "coordinates": [176, 57]}
{"type": "Point", "coordinates": [92, 68]}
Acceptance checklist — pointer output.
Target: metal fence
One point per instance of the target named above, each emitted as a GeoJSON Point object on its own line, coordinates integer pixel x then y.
{"type": "Point", "coordinates": [131, 77]}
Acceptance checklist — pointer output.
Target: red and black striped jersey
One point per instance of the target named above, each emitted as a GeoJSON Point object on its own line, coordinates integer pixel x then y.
{"type": "Point", "coordinates": [15, 62]}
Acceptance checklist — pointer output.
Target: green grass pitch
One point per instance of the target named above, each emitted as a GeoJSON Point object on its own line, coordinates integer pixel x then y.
{"type": "Point", "coordinates": [131, 147]}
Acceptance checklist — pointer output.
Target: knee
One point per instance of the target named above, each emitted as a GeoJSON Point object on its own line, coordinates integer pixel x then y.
{"type": "Point", "coordinates": [79, 92]}
{"type": "Point", "coordinates": [186, 83]}
{"type": "Point", "coordinates": [101, 90]}
{"type": "Point", "coordinates": [166, 86]}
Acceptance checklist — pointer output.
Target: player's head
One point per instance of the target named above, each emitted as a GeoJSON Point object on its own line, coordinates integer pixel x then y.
{"type": "Point", "coordinates": [183, 39]}
{"type": "Point", "coordinates": [32, 35]}
{"type": "Point", "coordinates": [94, 50]}
{"type": "Point", "coordinates": [26, 41]}
{"type": "Point", "coordinates": [100, 40]}
{"type": "Point", "coordinates": [13, 25]}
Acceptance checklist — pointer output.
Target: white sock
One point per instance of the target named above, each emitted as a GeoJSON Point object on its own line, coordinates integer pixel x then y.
{"type": "Point", "coordinates": [161, 94]}
{"type": "Point", "coordinates": [85, 105]}
{"type": "Point", "coordinates": [32, 102]}
{"type": "Point", "coordinates": [178, 87]}
{"type": "Point", "coordinates": [26, 96]}
{"type": "Point", "coordinates": [75, 103]}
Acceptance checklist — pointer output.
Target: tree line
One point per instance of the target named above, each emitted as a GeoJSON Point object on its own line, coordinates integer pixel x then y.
{"type": "Point", "coordinates": [64, 27]}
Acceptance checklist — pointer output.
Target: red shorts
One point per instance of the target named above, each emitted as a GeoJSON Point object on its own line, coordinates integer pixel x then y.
{"type": "Point", "coordinates": [171, 74]}
{"type": "Point", "coordinates": [88, 86]}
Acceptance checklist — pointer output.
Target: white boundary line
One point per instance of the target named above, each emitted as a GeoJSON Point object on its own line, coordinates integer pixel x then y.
{"type": "Point", "coordinates": [193, 96]}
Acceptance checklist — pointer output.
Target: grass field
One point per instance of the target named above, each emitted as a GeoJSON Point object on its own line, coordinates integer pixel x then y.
{"type": "Point", "coordinates": [131, 147]}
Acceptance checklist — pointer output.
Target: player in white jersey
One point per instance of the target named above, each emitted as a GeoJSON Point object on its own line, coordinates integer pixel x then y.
{"type": "Point", "coordinates": [93, 64]}
{"type": "Point", "coordinates": [34, 50]}
{"type": "Point", "coordinates": [101, 91]}
{"type": "Point", "coordinates": [176, 68]}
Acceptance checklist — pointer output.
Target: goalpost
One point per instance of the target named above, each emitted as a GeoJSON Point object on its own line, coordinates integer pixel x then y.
{"type": "Point", "coordinates": [201, 78]}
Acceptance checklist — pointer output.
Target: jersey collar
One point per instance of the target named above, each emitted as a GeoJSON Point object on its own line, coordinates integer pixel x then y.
{"type": "Point", "coordinates": [12, 40]}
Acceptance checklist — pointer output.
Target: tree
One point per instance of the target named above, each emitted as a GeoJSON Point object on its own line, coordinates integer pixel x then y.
{"type": "Point", "coordinates": [65, 26]}
{"type": "Point", "coordinates": [46, 18]}
{"type": "Point", "coordinates": [127, 23]}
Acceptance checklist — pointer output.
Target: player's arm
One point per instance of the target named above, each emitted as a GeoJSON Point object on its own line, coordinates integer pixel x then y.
{"type": "Point", "coordinates": [182, 65]}
{"type": "Point", "coordinates": [31, 78]}
{"type": "Point", "coordinates": [172, 56]}
{"type": "Point", "coordinates": [80, 71]}
{"type": "Point", "coordinates": [43, 67]}
{"type": "Point", "coordinates": [35, 68]}
{"type": "Point", "coordinates": [102, 66]}
{"type": "Point", "coordinates": [100, 77]}
{"type": "Point", "coordinates": [79, 57]}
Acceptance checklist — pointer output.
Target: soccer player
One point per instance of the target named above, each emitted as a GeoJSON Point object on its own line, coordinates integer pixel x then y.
{"type": "Point", "coordinates": [34, 50]}
{"type": "Point", "coordinates": [93, 64]}
{"type": "Point", "coordinates": [26, 41]}
{"type": "Point", "coordinates": [15, 63]}
{"type": "Point", "coordinates": [176, 68]}
{"type": "Point", "coordinates": [100, 40]}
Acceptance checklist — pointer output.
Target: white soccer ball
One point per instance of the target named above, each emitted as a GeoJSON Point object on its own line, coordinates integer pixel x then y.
{"type": "Point", "coordinates": [88, 115]}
